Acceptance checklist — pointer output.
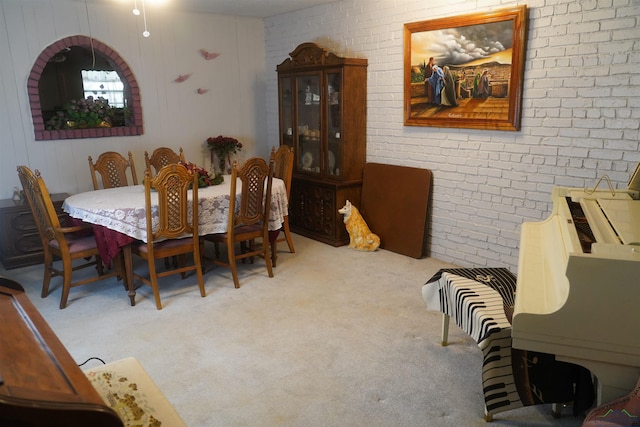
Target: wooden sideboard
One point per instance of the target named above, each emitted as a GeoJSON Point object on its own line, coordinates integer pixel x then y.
{"type": "Point", "coordinates": [313, 208]}
{"type": "Point", "coordinates": [40, 383]}
{"type": "Point", "coordinates": [20, 243]}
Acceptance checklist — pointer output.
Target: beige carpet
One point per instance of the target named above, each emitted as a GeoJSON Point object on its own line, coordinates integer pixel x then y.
{"type": "Point", "coordinates": [336, 338]}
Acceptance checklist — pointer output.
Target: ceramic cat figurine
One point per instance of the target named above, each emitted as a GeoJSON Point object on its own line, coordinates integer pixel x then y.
{"type": "Point", "coordinates": [361, 238]}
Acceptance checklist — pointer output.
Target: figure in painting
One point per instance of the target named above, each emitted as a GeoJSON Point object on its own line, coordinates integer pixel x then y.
{"type": "Point", "coordinates": [437, 82]}
{"type": "Point", "coordinates": [428, 72]}
{"type": "Point", "coordinates": [483, 84]}
{"type": "Point", "coordinates": [449, 97]}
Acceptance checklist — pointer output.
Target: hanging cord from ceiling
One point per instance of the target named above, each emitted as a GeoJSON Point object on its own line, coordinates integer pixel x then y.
{"type": "Point", "coordinates": [136, 12]}
{"type": "Point", "coordinates": [146, 32]}
{"type": "Point", "coordinates": [93, 53]}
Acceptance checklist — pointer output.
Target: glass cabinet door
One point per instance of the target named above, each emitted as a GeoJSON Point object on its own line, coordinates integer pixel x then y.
{"type": "Point", "coordinates": [334, 125]}
{"type": "Point", "coordinates": [308, 123]}
{"type": "Point", "coordinates": [286, 111]}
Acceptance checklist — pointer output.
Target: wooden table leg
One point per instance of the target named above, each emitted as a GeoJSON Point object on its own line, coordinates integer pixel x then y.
{"type": "Point", "coordinates": [274, 253]}
{"type": "Point", "coordinates": [273, 237]}
{"type": "Point", "coordinates": [128, 269]}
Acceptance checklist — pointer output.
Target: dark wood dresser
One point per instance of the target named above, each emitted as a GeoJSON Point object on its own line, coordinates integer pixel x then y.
{"type": "Point", "coordinates": [20, 243]}
{"type": "Point", "coordinates": [40, 383]}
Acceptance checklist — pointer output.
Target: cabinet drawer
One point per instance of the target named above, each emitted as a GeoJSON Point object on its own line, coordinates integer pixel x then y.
{"type": "Point", "coordinates": [23, 222]}
{"type": "Point", "coordinates": [28, 243]}
{"type": "Point", "coordinates": [20, 243]}
{"type": "Point", "coordinates": [313, 208]}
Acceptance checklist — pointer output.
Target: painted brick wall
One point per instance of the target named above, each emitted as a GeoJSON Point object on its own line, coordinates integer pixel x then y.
{"type": "Point", "coordinates": [580, 117]}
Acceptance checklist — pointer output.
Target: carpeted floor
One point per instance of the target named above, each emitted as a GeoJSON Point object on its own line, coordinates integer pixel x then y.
{"type": "Point", "coordinates": [336, 338]}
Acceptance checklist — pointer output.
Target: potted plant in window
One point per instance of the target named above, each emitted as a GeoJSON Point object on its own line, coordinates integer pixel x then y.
{"type": "Point", "coordinates": [87, 113]}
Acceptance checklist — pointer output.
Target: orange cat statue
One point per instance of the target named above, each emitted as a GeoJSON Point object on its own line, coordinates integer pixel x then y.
{"type": "Point", "coordinates": [361, 238]}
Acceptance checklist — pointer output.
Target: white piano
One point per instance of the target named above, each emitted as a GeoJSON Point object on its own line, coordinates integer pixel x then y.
{"type": "Point", "coordinates": [578, 286]}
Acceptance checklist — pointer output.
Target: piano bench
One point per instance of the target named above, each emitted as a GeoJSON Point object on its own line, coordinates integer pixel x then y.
{"type": "Point", "coordinates": [480, 301]}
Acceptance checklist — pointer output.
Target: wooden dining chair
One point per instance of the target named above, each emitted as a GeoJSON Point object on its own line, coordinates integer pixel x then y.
{"type": "Point", "coordinates": [72, 244]}
{"type": "Point", "coordinates": [112, 168]}
{"type": "Point", "coordinates": [175, 221]}
{"type": "Point", "coordinates": [283, 160]}
{"type": "Point", "coordinates": [162, 157]}
{"type": "Point", "coordinates": [251, 219]}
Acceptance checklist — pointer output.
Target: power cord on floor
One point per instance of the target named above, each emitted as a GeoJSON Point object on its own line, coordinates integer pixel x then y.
{"type": "Point", "coordinates": [92, 358]}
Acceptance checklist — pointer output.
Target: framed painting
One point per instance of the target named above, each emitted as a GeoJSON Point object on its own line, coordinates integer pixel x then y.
{"type": "Point", "coordinates": [466, 71]}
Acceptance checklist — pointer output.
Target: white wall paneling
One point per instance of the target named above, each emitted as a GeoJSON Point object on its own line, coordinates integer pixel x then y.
{"type": "Point", "coordinates": [174, 114]}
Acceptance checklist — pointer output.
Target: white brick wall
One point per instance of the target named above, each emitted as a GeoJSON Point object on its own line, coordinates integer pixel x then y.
{"type": "Point", "coordinates": [580, 115]}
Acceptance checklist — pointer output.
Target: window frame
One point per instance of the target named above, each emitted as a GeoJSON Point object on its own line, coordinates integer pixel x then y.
{"type": "Point", "coordinates": [120, 66]}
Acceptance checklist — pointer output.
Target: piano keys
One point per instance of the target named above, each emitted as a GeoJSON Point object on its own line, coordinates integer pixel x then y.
{"type": "Point", "coordinates": [578, 286]}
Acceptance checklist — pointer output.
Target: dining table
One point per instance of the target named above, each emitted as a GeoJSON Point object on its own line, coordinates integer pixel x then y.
{"type": "Point", "coordinates": [118, 216]}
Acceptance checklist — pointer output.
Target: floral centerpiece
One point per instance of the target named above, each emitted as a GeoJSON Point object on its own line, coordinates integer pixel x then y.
{"type": "Point", "coordinates": [205, 179]}
{"type": "Point", "coordinates": [223, 147]}
{"type": "Point", "coordinates": [87, 113]}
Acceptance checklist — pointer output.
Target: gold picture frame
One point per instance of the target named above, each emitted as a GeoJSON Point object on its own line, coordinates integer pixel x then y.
{"type": "Point", "coordinates": [479, 73]}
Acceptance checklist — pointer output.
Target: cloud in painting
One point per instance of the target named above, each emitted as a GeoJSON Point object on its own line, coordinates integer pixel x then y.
{"type": "Point", "coordinates": [457, 46]}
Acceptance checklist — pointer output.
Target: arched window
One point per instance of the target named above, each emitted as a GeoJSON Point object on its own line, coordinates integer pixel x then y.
{"type": "Point", "coordinates": [100, 53]}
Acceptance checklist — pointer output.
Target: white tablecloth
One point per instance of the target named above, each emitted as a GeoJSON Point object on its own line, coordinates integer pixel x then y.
{"type": "Point", "coordinates": [123, 209]}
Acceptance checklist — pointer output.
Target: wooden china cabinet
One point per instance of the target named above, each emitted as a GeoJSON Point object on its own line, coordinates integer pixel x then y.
{"type": "Point", "coordinates": [323, 111]}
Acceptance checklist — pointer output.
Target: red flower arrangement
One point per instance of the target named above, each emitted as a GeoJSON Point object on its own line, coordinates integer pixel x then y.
{"type": "Point", "coordinates": [204, 178]}
{"type": "Point", "coordinates": [222, 146]}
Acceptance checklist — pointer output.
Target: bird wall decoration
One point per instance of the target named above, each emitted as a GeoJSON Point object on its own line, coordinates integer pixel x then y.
{"type": "Point", "coordinates": [182, 77]}
{"type": "Point", "coordinates": [202, 91]}
{"type": "Point", "coordinates": [208, 55]}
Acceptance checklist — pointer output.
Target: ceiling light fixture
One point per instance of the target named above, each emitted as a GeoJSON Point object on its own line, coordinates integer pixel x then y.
{"type": "Point", "coordinates": [136, 11]}
{"type": "Point", "coordinates": [146, 32]}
